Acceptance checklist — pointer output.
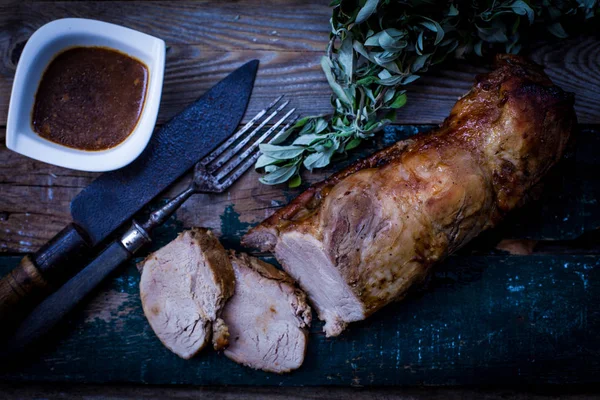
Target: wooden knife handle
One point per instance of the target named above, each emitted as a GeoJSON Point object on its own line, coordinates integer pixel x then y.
{"type": "Point", "coordinates": [20, 290]}
{"type": "Point", "coordinates": [39, 275]}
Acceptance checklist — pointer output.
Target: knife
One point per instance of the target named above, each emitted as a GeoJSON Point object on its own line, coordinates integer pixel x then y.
{"type": "Point", "coordinates": [213, 174]}
{"type": "Point", "coordinates": [113, 198]}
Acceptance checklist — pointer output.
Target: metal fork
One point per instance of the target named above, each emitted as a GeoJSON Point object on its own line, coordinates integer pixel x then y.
{"type": "Point", "coordinates": [221, 168]}
{"type": "Point", "coordinates": [215, 173]}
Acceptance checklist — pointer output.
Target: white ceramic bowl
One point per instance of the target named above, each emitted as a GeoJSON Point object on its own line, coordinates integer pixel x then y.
{"type": "Point", "coordinates": [41, 48]}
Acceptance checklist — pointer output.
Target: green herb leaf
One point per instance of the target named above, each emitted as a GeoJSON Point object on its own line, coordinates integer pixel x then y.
{"type": "Point", "coordinates": [265, 160]}
{"type": "Point", "coordinates": [308, 139]}
{"type": "Point", "coordinates": [366, 11]}
{"type": "Point", "coordinates": [452, 11]}
{"type": "Point", "coordinates": [378, 47]}
{"type": "Point", "coordinates": [321, 125]}
{"type": "Point", "coordinates": [280, 152]}
{"type": "Point", "coordinates": [318, 160]}
{"type": "Point", "coordinates": [557, 30]}
{"type": "Point", "coordinates": [295, 181]}
{"type": "Point", "coordinates": [353, 143]}
{"type": "Point", "coordinates": [279, 175]}
{"type": "Point", "coordinates": [522, 8]}
{"type": "Point", "coordinates": [493, 34]}
{"type": "Point", "coordinates": [346, 58]}
{"type": "Point", "coordinates": [434, 27]}
{"type": "Point", "coordinates": [399, 100]}
{"type": "Point", "coordinates": [327, 65]}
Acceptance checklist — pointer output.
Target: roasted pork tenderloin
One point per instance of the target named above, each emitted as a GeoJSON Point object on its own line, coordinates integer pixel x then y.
{"type": "Point", "coordinates": [267, 317]}
{"type": "Point", "coordinates": [183, 288]}
{"type": "Point", "coordinates": [360, 239]}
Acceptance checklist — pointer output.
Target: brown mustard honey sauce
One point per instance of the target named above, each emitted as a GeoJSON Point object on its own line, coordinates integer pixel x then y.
{"type": "Point", "coordinates": [90, 98]}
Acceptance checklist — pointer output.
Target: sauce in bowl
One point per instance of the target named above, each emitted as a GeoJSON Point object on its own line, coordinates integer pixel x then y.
{"type": "Point", "coordinates": [90, 98]}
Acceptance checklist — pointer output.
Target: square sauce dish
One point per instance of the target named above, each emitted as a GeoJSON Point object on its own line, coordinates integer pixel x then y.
{"type": "Point", "coordinates": [85, 95]}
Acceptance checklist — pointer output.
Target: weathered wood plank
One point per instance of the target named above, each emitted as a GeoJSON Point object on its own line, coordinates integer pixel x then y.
{"type": "Point", "coordinates": [35, 198]}
{"type": "Point", "coordinates": [207, 40]}
{"type": "Point", "coordinates": [134, 392]}
{"type": "Point", "coordinates": [483, 320]}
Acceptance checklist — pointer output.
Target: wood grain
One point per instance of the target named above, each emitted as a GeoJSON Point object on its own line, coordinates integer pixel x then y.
{"type": "Point", "coordinates": [135, 392]}
{"type": "Point", "coordinates": [482, 320]}
{"type": "Point", "coordinates": [209, 39]}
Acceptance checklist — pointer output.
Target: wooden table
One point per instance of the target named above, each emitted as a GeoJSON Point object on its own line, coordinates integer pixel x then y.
{"type": "Point", "coordinates": [519, 306]}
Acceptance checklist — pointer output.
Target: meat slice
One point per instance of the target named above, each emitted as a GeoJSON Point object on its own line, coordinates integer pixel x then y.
{"type": "Point", "coordinates": [267, 317]}
{"type": "Point", "coordinates": [358, 240]}
{"type": "Point", "coordinates": [184, 287]}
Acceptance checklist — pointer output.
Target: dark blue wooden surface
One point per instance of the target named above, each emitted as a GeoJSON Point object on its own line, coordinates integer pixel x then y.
{"type": "Point", "coordinates": [497, 319]}
{"type": "Point", "coordinates": [485, 317]}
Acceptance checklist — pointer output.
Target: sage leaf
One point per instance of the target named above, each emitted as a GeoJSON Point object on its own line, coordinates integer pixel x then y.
{"type": "Point", "coordinates": [389, 95]}
{"type": "Point", "coordinates": [360, 49]}
{"type": "Point", "coordinates": [378, 47]}
{"type": "Point", "coordinates": [321, 125]}
{"type": "Point", "coordinates": [434, 26]}
{"type": "Point", "coordinates": [308, 139]}
{"type": "Point", "coordinates": [391, 40]}
{"type": "Point", "coordinates": [477, 48]}
{"type": "Point", "coordinates": [281, 152]}
{"type": "Point", "coordinates": [353, 143]}
{"type": "Point", "coordinates": [295, 181]}
{"type": "Point", "coordinates": [452, 11]}
{"type": "Point", "coordinates": [279, 175]}
{"type": "Point", "coordinates": [280, 138]}
{"type": "Point", "coordinates": [522, 8]}
{"type": "Point", "coordinates": [319, 159]}
{"type": "Point", "coordinates": [557, 30]}
{"type": "Point", "coordinates": [419, 62]}
{"type": "Point", "coordinates": [337, 89]}
{"type": "Point", "coordinates": [264, 160]}
{"type": "Point", "coordinates": [409, 79]}
{"type": "Point", "coordinates": [346, 57]}
{"type": "Point", "coordinates": [366, 11]}
{"type": "Point", "coordinates": [399, 100]}
{"type": "Point", "coordinates": [493, 34]}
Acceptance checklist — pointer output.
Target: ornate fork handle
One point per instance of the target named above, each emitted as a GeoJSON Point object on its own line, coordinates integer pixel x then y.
{"type": "Point", "coordinates": [139, 234]}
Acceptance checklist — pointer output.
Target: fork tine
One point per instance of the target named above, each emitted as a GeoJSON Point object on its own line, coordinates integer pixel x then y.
{"type": "Point", "coordinates": [250, 161]}
{"type": "Point", "coordinates": [219, 150]}
{"type": "Point", "coordinates": [242, 157]}
{"type": "Point", "coordinates": [229, 153]}
{"type": "Point", "coordinates": [233, 177]}
{"type": "Point", "coordinates": [283, 130]}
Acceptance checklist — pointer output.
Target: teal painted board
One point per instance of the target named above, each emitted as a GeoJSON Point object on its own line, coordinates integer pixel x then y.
{"type": "Point", "coordinates": [481, 320]}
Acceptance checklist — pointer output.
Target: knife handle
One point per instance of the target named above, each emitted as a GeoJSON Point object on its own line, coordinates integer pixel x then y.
{"type": "Point", "coordinates": [60, 303]}
{"type": "Point", "coordinates": [37, 276]}
{"type": "Point", "coordinates": [49, 313]}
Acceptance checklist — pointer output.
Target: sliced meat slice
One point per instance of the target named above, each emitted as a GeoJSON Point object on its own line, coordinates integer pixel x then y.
{"type": "Point", "coordinates": [183, 287]}
{"type": "Point", "coordinates": [267, 317]}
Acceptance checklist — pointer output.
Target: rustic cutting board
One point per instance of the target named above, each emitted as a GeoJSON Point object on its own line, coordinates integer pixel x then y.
{"type": "Point", "coordinates": [485, 317]}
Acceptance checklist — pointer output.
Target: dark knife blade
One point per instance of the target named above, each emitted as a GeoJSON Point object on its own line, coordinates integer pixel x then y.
{"type": "Point", "coordinates": [116, 196]}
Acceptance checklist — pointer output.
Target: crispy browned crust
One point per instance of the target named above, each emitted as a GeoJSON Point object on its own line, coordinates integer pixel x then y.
{"type": "Point", "coordinates": [515, 79]}
{"type": "Point", "coordinates": [214, 251]}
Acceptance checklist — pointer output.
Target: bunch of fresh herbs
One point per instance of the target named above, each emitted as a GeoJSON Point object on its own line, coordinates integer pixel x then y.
{"type": "Point", "coordinates": [379, 46]}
